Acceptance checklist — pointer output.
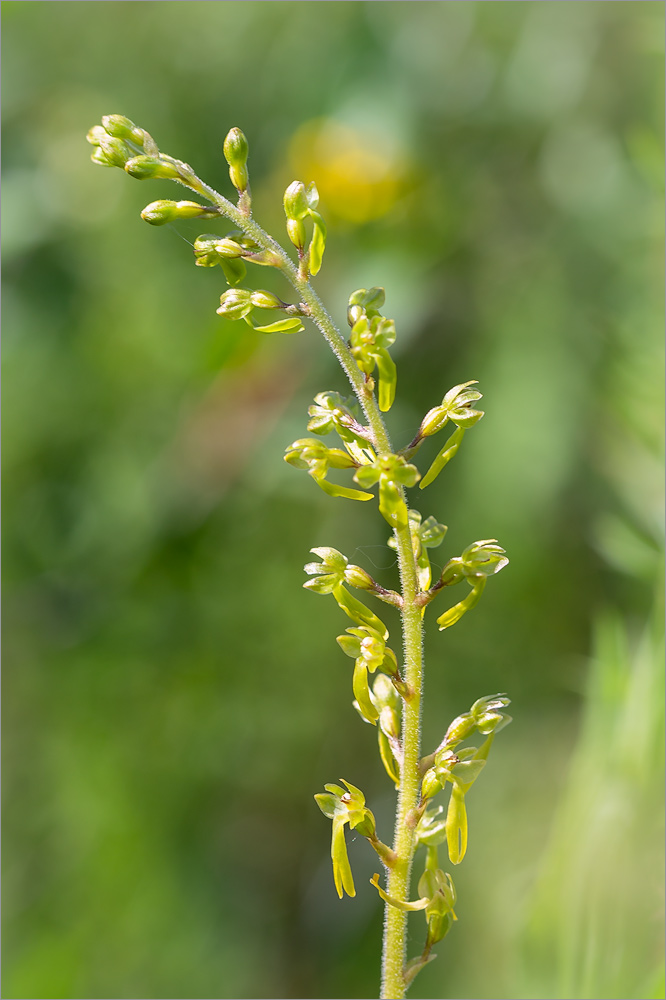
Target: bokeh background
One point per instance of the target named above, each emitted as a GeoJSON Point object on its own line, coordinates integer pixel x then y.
{"type": "Point", "coordinates": [172, 696]}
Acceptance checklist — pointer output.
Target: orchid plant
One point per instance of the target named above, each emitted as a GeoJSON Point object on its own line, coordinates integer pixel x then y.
{"type": "Point", "coordinates": [387, 686]}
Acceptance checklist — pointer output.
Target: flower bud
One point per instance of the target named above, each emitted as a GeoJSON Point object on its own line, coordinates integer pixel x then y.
{"type": "Point", "coordinates": [121, 127]}
{"type": "Point", "coordinates": [158, 213]}
{"type": "Point", "coordinates": [235, 304]}
{"type": "Point", "coordinates": [116, 151]}
{"type": "Point", "coordinates": [235, 153]}
{"type": "Point", "coordinates": [95, 135]}
{"type": "Point", "coordinates": [99, 157]}
{"type": "Point", "coordinates": [148, 167]}
{"type": "Point", "coordinates": [296, 201]}
{"type": "Point", "coordinates": [266, 300]}
{"type": "Point", "coordinates": [296, 233]}
{"type": "Point", "coordinates": [228, 249]}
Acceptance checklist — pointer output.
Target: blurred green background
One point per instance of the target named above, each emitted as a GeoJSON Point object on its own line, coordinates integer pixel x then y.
{"type": "Point", "coordinates": [173, 697]}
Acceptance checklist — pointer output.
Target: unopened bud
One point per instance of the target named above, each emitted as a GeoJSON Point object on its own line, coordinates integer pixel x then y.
{"type": "Point", "coordinates": [296, 233]}
{"type": "Point", "coordinates": [116, 151]}
{"type": "Point", "coordinates": [266, 300]}
{"type": "Point", "coordinates": [99, 157]}
{"type": "Point", "coordinates": [235, 153]}
{"type": "Point", "coordinates": [95, 135]}
{"type": "Point", "coordinates": [295, 201]}
{"type": "Point", "coordinates": [122, 128]}
{"type": "Point", "coordinates": [235, 304]}
{"type": "Point", "coordinates": [147, 167]}
{"type": "Point", "coordinates": [158, 213]}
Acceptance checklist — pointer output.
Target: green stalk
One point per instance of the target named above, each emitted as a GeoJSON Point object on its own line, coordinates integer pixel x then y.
{"type": "Point", "coordinates": [395, 923]}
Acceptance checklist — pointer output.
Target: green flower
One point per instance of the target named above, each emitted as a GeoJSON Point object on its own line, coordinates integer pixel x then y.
{"type": "Point", "coordinates": [391, 472]}
{"type": "Point", "coordinates": [345, 807]}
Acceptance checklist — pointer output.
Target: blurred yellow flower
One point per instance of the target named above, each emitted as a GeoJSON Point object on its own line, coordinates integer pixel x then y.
{"type": "Point", "coordinates": [360, 175]}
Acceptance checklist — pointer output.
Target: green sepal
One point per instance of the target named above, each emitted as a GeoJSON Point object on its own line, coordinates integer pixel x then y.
{"type": "Point", "coordinates": [234, 270]}
{"type": "Point", "coordinates": [456, 826]}
{"type": "Point", "coordinates": [235, 304]}
{"type": "Point", "coordinates": [358, 611]}
{"type": "Point", "coordinates": [362, 692]}
{"type": "Point", "coordinates": [312, 195]}
{"type": "Point", "coordinates": [467, 771]}
{"type": "Point", "coordinates": [367, 475]}
{"type": "Point", "coordinates": [350, 645]}
{"type": "Point", "coordinates": [445, 456]}
{"type": "Point", "coordinates": [431, 828]}
{"type": "Point", "coordinates": [317, 243]}
{"type": "Point", "coordinates": [327, 803]}
{"type": "Point", "coordinates": [455, 613]}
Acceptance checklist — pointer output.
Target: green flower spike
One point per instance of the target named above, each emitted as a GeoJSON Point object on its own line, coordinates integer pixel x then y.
{"type": "Point", "coordinates": [344, 807]}
{"type": "Point", "coordinates": [371, 336]}
{"type": "Point", "coordinates": [479, 561]}
{"type": "Point", "coordinates": [391, 472]}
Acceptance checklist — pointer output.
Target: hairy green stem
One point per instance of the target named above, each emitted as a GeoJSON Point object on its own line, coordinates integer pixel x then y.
{"type": "Point", "coordinates": [395, 924]}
